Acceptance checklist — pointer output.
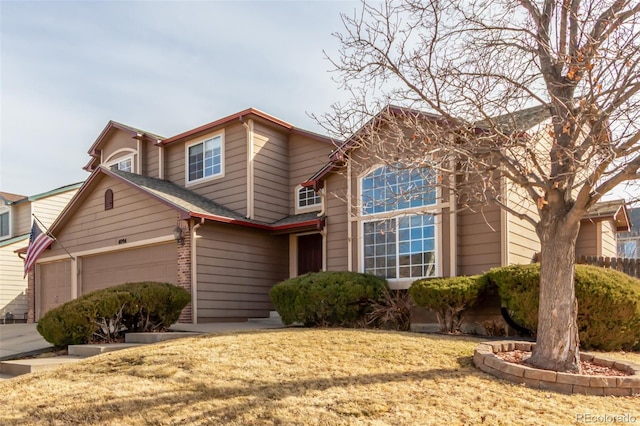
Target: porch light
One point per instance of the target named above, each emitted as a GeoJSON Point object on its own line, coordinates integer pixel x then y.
{"type": "Point", "coordinates": [177, 235]}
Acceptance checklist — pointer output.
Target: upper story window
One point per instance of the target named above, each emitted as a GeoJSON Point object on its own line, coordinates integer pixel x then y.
{"type": "Point", "coordinates": [126, 165]}
{"type": "Point", "coordinates": [124, 160]}
{"type": "Point", "coordinates": [398, 241]}
{"type": "Point", "coordinates": [5, 225]}
{"type": "Point", "coordinates": [389, 188]}
{"type": "Point", "coordinates": [205, 159]}
{"type": "Point", "coordinates": [307, 198]}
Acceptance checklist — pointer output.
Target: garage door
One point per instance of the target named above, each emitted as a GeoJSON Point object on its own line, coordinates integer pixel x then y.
{"type": "Point", "coordinates": [54, 282]}
{"type": "Point", "coordinates": [153, 263]}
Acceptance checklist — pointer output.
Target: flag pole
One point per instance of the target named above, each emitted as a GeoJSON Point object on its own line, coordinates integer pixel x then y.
{"type": "Point", "coordinates": [51, 235]}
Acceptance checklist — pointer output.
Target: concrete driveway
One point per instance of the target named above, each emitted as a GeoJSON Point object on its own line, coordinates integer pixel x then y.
{"type": "Point", "coordinates": [20, 339]}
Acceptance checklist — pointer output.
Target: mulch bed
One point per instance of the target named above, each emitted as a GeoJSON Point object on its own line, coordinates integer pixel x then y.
{"type": "Point", "coordinates": [588, 368]}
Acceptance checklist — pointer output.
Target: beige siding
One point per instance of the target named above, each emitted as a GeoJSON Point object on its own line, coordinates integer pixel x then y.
{"type": "Point", "coordinates": [609, 244]}
{"type": "Point", "coordinates": [271, 175]}
{"type": "Point", "coordinates": [306, 157]}
{"type": "Point", "coordinates": [522, 240]}
{"type": "Point", "coordinates": [53, 285]}
{"type": "Point", "coordinates": [236, 269]}
{"type": "Point", "coordinates": [150, 164]}
{"type": "Point", "coordinates": [134, 217]}
{"type": "Point", "coordinates": [13, 287]}
{"type": "Point", "coordinates": [336, 189]}
{"type": "Point", "coordinates": [48, 209]}
{"type": "Point", "coordinates": [21, 218]}
{"type": "Point", "coordinates": [587, 242]}
{"type": "Point", "coordinates": [230, 190]}
{"type": "Point", "coordinates": [116, 141]}
{"type": "Point", "coordinates": [153, 263]}
{"type": "Point", "coordinates": [478, 240]}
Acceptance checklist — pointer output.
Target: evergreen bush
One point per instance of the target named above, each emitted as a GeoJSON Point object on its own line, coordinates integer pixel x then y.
{"type": "Point", "coordinates": [327, 298]}
{"type": "Point", "coordinates": [450, 298]}
{"type": "Point", "coordinates": [608, 303]}
{"type": "Point", "coordinates": [104, 315]}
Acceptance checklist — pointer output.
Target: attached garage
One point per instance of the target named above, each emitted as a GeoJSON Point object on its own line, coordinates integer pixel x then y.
{"type": "Point", "coordinates": [151, 263]}
{"type": "Point", "coordinates": [54, 285]}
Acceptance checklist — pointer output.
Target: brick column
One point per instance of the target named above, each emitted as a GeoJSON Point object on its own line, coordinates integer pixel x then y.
{"type": "Point", "coordinates": [31, 295]}
{"type": "Point", "coordinates": [184, 268]}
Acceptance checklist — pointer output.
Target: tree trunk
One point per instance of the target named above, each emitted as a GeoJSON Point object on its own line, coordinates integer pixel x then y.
{"type": "Point", "coordinates": [557, 343]}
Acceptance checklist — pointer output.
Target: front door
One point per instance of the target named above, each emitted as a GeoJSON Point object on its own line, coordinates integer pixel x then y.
{"type": "Point", "coordinates": [309, 253]}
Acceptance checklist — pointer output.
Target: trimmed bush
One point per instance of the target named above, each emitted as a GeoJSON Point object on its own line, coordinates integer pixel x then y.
{"type": "Point", "coordinates": [608, 303]}
{"type": "Point", "coordinates": [103, 315]}
{"type": "Point", "coordinates": [450, 298]}
{"type": "Point", "coordinates": [327, 298]}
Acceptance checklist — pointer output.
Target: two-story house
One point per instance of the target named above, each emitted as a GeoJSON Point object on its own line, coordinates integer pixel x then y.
{"type": "Point", "coordinates": [16, 216]}
{"type": "Point", "coordinates": [228, 209]}
{"type": "Point", "coordinates": [218, 210]}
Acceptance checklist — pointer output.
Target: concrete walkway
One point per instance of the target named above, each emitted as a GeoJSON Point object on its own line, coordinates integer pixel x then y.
{"type": "Point", "coordinates": [20, 339]}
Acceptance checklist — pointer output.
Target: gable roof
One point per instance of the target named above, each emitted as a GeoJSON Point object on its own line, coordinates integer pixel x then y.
{"type": "Point", "coordinates": [521, 120]}
{"type": "Point", "coordinates": [94, 150]}
{"type": "Point", "coordinates": [239, 117]}
{"type": "Point", "coordinates": [187, 203]}
{"type": "Point", "coordinates": [614, 210]}
{"type": "Point", "coordinates": [10, 198]}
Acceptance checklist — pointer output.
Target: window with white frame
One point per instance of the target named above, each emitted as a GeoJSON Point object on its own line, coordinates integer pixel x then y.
{"type": "Point", "coordinates": [124, 164]}
{"type": "Point", "coordinates": [307, 198]}
{"type": "Point", "coordinates": [204, 159]}
{"type": "Point", "coordinates": [398, 240]}
{"type": "Point", "coordinates": [5, 225]}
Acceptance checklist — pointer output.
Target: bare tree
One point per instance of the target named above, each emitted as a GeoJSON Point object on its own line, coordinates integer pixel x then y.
{"type": "Point", "coordinates": [471, 64]}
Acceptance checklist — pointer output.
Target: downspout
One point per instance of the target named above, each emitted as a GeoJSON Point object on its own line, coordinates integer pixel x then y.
{"type": "Point", "coordinates": [194, 272]}
{"type": "Point", "coordinates": [504, 226]}
{"type": "Point", "coordinates": [349, 221]}
{"type": "Point", "coordinates": [453, 225]}
{"type": "Point", "coordinates": [160, 161]}
{"type": "Point", "coordinates": [250, 175]}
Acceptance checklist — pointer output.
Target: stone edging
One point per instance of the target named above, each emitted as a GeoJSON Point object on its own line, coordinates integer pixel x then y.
{"type": "Point", "coordinates": [485, 359]}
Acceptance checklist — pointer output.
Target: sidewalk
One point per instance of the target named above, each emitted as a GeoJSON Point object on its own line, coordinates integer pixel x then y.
{"type": "Point", "coordinates": [20, 339]}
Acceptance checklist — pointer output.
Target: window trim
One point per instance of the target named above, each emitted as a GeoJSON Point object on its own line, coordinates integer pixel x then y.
{"type": "Point", "coordinates": [111, 161]}
{"type": "Point", "coordinates": [202, 140]}
{"type": "Point", "coordinates": [308, 208]}
{"type": "Point", "coordinates": [7, 210]}
{"type": "Point", "coordinates": [432, 209]}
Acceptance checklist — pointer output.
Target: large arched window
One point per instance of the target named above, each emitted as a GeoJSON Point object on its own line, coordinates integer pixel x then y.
{"type": "Point", "coordinates": [399, 240]}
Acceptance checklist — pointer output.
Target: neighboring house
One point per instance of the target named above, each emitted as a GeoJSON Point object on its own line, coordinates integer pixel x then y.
{"type": "Point", "coordinates": [228, 209]}
{"type": "Point", "coordinates": [217, 210]}
{"type": "Point", "coordinates": [629, 242]}
{"type": "Point", "coordinates": [15, 224]}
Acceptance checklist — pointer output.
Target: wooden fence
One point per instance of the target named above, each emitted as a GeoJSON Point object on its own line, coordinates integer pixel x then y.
{"type": "Point", "coordinates": [626, 265]}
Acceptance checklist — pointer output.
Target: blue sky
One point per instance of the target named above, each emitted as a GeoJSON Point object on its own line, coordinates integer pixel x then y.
{"type": "Point", "coordinates": [67, 68]}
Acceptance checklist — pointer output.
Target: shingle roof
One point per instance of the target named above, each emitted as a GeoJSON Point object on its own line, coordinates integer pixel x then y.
{"type": "Point", "coordinates": [196, 205]}
{"type": "Point", "coordinates": [181, 197]}
{"type": "Point", "coordinates": [613, 209]}
{"type": "Point", "coordinates": [518, 121]}
{"type": "Point", "coordinates": [11, 198]}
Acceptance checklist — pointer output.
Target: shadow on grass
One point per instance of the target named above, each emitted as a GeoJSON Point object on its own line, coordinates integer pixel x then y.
{"type": "Point", "coordinates": [264, 396]}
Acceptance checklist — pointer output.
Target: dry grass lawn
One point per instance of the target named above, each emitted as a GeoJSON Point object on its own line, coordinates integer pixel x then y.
{"type": "Point", "coordinates": [293, 376]}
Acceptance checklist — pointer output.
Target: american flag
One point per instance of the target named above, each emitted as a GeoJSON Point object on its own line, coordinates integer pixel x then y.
{"type": "Point", "coordinates": [38, 242]}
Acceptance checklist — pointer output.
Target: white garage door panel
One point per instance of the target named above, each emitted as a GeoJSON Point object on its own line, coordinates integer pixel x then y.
{"type": "Point", "coordinates": [153, 263]}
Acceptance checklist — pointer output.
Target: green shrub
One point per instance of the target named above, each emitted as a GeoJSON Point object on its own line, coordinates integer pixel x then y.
{"type": "Point", "coordinates": [608, 303]}
{"type": "Point", "coordinates": [450, 298]}
{"type": "Point", "coordinates": [326, 298]}
{"type": "Point", "coordinates": [104, 315]}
